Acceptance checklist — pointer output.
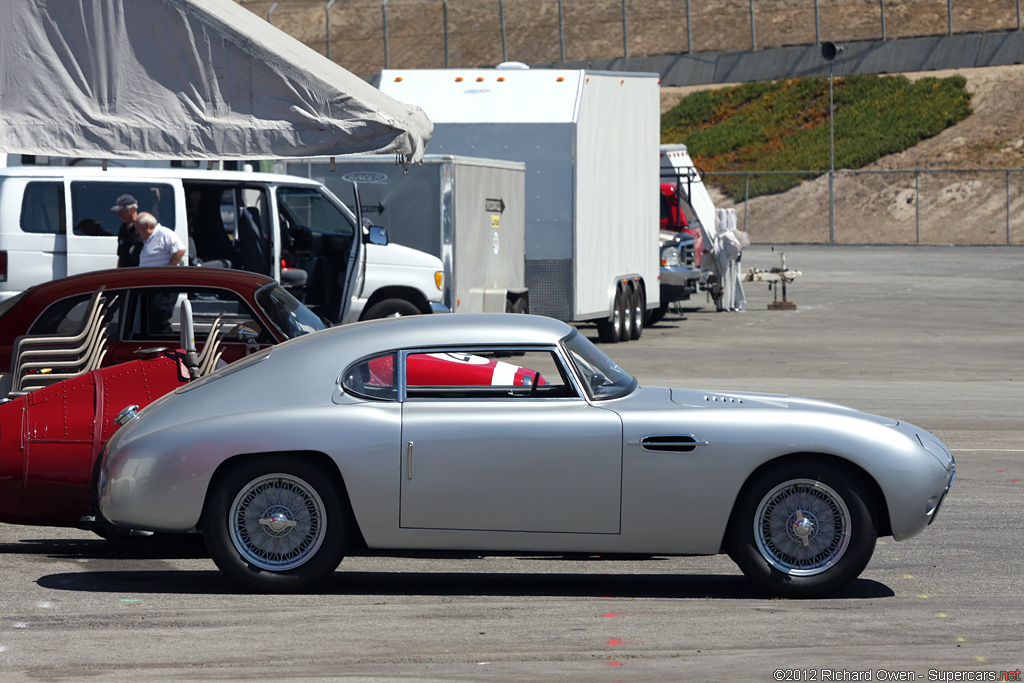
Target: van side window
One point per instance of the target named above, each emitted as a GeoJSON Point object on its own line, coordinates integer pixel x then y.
{"type": "Point", "coordinates": [91, 201]}
{"type": "Point", "coordinates": [42, 209]}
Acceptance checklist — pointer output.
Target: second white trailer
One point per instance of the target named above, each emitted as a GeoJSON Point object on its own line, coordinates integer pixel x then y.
{"type": "Point", "coordinates": [590, 144]}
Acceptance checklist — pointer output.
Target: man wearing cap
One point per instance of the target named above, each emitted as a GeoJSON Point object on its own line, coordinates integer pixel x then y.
{"type": "Point", "coordinates": [128, 243]}
{"type": "Point", "coordinates": [160, 245]}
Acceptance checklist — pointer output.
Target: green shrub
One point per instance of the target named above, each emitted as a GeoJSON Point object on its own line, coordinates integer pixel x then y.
{"type": "Point", "coordinates": [784, 125]}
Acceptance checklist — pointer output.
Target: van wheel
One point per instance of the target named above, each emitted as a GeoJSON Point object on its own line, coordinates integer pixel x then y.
{"type": "Point", "coordinates": [390, 308]}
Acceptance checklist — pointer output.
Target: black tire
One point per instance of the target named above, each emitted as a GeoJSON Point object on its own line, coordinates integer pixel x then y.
{"type": "Point", "coordinates": [610, 331]}
{"type": "Point", "coordinates": [803, 529]}
{"type": "Point", "coordinates": [624, 302]}
{"type": "Point", "coordinates": [274, 524]}
{"type": "Point", "coordinates": [656, 315]}
{"type": "Point", "coordinates": [391, 308]}
{"type": "Point", "coordinates": [639, 303]}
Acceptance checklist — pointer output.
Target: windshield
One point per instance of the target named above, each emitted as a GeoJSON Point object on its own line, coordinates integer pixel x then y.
{"type": "Point", "coordinates": [603, 378]}
{"type": "Point", "coordinates": [8, 304]}
{"type": "Point", "coordinates": [288, 314]}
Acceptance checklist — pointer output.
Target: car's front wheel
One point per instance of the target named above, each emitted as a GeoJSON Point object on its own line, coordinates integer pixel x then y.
{"type": "Point", "coordinates": [276, 524]}
{"type": "Point", "coordinates": [803, 529]}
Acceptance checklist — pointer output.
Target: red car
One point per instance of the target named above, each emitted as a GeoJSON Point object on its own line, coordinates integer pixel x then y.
{"type": "Point", "coordinates": [50, 439]}
{"type": "Point", "coordinates": [257, 310]}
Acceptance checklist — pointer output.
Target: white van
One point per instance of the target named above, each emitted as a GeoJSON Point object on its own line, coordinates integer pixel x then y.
{"type": "Point", "coordinates": [57, 221]}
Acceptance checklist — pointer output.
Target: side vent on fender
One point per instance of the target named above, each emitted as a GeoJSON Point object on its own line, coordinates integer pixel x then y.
{"type": "Point", "coordinates": [673, 443]}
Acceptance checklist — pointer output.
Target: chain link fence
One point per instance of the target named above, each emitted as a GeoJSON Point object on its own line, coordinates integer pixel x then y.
{"type": "Point", "coordinates": [365, 36]}
{"type": "Point", "coordinates": [915, 206]}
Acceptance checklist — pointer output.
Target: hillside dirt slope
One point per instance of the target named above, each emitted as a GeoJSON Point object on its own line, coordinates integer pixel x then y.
{"type": "Point", "coordinates": [958, 206]}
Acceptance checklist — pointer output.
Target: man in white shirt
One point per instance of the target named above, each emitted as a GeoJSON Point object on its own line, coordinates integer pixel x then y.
{"type": "Point", "coordinates": [160, 245]}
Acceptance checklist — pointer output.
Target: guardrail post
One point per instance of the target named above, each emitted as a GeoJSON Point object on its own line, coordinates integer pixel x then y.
{"type": "Point", "coordinates": [1007, 207]}
{"type": "Point", "coordinates": [753, 34]}
{"type": "Point", "coordinates": [746, 202]}
{"type": "Point", "coordinates": [625, 33]}
{"type": "Point", "coordinates": [917, 203]}
{"type": "Point", "coordinates": [561, 29]}
{"type": "Point", "coordinates": [689, 34]}
{"type": "Point", "coordinates": [501, 15]}
{"type": "Point", "coordinates": [384, 12]}
{"type": "Point", "coordinates": [327, 25]}
{"type": "Point", "coordinates": [817, 25]}
{"type": "Point", "coordinates": [444, 19]}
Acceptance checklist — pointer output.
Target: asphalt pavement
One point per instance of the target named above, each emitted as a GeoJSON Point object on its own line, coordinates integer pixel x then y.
{"type": "Point", "coordinates": [930, 335]}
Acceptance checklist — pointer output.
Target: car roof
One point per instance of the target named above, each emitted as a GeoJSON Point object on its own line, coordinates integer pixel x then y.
{"type": "Point", "coordinates": [118, 278]}
{"type": "Point", "coordinates": [134, 173]}
{"type": "Point", "coordinates": [430, 331]}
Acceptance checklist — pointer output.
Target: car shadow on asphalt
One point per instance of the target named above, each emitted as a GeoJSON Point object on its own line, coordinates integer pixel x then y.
{"type": "Point", "coordinates": [167, 547]}
{"type": "Point", "coordinates": [483, 584]}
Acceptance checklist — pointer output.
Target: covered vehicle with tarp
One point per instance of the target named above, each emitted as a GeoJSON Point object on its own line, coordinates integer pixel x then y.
{"type": "Point", "coordinates": [182, 79]}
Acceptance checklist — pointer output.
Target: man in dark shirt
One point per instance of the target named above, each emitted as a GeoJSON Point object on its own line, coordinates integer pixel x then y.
{"type": "Point", "coordinates": [128, 243]}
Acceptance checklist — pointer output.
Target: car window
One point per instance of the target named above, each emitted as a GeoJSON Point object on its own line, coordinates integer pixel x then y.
{"type": "Point", "coordinates": [154, 314]}
{"type": "Point", "coordinates": [65, 317]}
{"type": "Point", "coordinates": [486, 374]}
{"type": "Point", "coordinates": [42, 208]}
{"type": "Point", "coordinates": [602, 376]}
{"type": "Point", "coordinates": [372, 377]}
{"type": "Point", "coordinates": [91, 201]}
{"type": "Point", "coordinates": [310, 208]}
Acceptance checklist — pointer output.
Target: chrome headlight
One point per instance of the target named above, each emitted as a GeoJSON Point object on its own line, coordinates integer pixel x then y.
{"type": "Point", "coordinates": [670, 257]}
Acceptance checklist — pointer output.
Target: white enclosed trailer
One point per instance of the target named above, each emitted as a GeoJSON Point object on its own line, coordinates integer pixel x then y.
{"type": "Point", "coordinates": [590, 144]}
{"type": "Point", "coordinates": [468, 212]}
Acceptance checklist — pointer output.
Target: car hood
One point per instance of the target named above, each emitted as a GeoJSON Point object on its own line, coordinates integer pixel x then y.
{"type": "Point", "coordinates": [400, 255]}
{"type": "Point", "coordinates": [740, 400]}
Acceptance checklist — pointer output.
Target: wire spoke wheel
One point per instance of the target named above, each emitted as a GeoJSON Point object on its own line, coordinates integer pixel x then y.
{"type": "Point", "coordinates": [277, 522]}
{"type": "Point", "coordinates": [802, 527]}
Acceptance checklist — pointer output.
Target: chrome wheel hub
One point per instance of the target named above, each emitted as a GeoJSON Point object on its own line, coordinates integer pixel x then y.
{"type": "Point", "coordinates": [277, 522]}
{"type": "Point", "coordinates": [802, 527]}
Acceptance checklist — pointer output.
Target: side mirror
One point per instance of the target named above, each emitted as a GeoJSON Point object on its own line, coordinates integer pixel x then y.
{"type": "Point", "coordinates": [378, 235]}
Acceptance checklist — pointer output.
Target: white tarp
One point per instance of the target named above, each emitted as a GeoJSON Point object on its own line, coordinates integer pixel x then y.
{"type": "Point", "coordinates": [182, 79]}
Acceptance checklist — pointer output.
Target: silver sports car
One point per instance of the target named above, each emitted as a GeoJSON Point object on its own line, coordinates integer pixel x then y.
{"type": "Point", "coordinates": [509, 433]}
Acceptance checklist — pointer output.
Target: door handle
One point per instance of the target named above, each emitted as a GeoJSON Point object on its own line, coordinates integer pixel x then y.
{"type": "Point", "coordinates": [408, 460]}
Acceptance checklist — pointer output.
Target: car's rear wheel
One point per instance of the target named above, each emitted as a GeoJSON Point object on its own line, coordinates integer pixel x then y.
{"type": "Point", "coordinates": [275, 524]}
{"type": "Point", "coordinates": [803, 529]}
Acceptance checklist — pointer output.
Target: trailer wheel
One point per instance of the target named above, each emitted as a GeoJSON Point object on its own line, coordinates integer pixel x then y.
{"type": "Point", "coordinates": [624, 301]}
{"type": "Point", "coordinates": [610, 331]}
{"type": "Point", "coordinates": [639, 304]}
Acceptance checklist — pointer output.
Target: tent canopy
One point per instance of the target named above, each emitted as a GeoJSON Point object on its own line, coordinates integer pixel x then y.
{"type": "Point", "coordinates": [182, 79]}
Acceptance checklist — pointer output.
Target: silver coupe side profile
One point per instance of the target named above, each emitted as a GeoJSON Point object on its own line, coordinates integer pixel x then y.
{"type": "Point", "coordinates": [497, 433]}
